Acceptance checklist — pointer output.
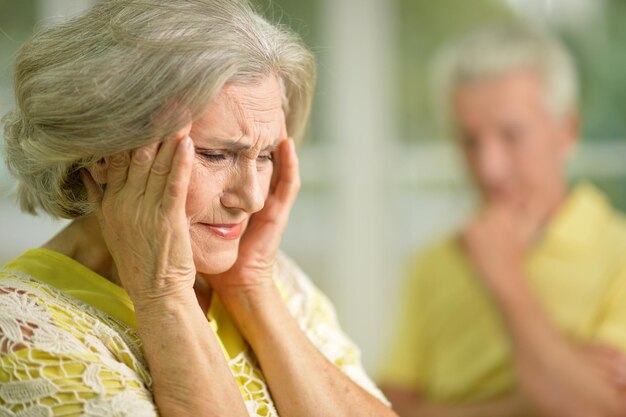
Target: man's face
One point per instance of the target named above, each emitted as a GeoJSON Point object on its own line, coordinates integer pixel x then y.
{"type": "Point", "coordinates": [514, 146]}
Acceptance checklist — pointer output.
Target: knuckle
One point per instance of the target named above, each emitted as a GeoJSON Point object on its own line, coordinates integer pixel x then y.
{"type": "Point", "coordinates": [160, 169]}
{"type": "Point", "coordinates": [174, 190]}
{"type": "Point", "coordinates": [141, 156]}
{"type": "Point", "coordinates": [119, 160]}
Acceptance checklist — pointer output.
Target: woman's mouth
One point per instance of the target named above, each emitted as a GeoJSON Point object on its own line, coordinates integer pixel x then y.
{"type": "Point", "coordinates": [225, 231]}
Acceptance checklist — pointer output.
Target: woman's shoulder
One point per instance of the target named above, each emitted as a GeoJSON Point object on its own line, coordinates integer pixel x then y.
{"type": "Point", "coordinates": [291, 279]}
{"type": "Point", "coordinates": [35, 316]}
{"type": "Point", "coordinates": [25, 299]}
{"type": "Point", "coordinates": [29, 295]}
{"type": "Point", "coordinates": [53, 346]}
{"type": "Point", "coordinates": [306, 302]}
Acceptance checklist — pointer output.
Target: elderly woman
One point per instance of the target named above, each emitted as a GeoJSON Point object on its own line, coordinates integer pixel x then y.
{"type": "Point", "coordinates": [162, 129]}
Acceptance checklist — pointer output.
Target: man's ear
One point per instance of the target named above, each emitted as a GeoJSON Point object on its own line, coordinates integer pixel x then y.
{"type": "Point", "coordinates": [573, 126]}
{"type": "Point", "coordinates": [98, 171]}
{"type": "Point", "coordinates": [571, 133]}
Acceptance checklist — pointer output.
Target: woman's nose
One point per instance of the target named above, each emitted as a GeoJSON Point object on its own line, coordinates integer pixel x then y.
{"type": "Point", "coordinates": [244, 191]}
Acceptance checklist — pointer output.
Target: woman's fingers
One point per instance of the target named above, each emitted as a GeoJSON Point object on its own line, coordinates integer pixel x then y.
{"type": "Point", "coordinates": [160, 170]}
{"type": "Point", "coordinates": [162, 166]}
{"type": "Point", "coordinates": [177, 185]}
{"type": "Point", "coordinates": [141, 160]}
{"type": "Point", "coordinates": [117, 172]}
{"type": "Point", "coordinates": [287, 183]}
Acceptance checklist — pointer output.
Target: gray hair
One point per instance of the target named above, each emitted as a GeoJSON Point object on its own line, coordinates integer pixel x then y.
{"type": "Point", "coordinates": [499, 50]}
{"type": "Point", "coordinates": [100, 84]}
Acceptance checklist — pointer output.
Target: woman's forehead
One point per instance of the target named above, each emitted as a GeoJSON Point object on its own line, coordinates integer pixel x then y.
{"type": "Point", "coordinates": [263, 96]}
{"type": "Point", "coordinates": [243, 113]}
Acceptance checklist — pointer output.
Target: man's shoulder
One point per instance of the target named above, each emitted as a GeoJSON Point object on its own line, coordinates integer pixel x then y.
{"type": "Point", "coordinates": [616, 232]}
{"type": "Point", "coordinates": [612, 221]}
{"type": "Point", "coordinates": [618, 221]}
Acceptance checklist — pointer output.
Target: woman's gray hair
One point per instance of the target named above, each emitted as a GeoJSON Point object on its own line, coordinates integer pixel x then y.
{"type": "Point", "coordinates": [131, 72]}
{"type": "Point", "coordinates": [498, 50]}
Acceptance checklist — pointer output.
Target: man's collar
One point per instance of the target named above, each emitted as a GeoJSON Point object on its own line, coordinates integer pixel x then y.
{"type": "Point", "coordinates": [579, 221]}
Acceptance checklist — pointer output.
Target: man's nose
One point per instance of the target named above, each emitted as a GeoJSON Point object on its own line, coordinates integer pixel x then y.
{"type": "Point", "coordinates": [244, 190]}
{"type": "Point", "coordinates": [491, 163]}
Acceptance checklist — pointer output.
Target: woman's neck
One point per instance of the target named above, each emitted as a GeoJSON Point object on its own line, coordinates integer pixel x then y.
{"type": "Point", "coordinates": [82, 241]}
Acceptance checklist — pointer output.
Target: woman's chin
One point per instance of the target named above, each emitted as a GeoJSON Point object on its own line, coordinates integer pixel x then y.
{"type": "Point", "coordinates": [215, 263]}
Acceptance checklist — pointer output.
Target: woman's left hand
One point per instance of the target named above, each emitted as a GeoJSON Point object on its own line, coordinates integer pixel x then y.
{"type": "Point", "coordinates": [261, 241]}
{"type": "Point", "coordinates": [291, 364]}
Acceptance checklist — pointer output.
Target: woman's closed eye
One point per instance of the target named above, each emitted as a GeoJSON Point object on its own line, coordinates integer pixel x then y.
{"type": "Point", "coordinates": [216, 156]}
{"type": "Point", "coordinates": [266, 157]}
{"type": "Point", "coordinates": [224, 157]}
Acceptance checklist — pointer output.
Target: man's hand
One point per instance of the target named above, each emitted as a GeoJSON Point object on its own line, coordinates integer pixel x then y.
{"type": "Point", "coordinates": [609, 362]}
{"type": "Point", "coordinates": [498, 239]}
{"type": "Point", "coordinates": [409, 403]}
{"type": "Point", "coordinates": [558, 377]}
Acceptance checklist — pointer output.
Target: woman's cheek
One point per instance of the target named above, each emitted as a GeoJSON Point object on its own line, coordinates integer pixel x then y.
{"type": "Point", "coordinates": [204, 188]}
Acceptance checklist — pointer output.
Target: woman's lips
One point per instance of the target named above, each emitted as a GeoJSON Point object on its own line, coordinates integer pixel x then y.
{"type": "Point", "coordinates": [225, 231]}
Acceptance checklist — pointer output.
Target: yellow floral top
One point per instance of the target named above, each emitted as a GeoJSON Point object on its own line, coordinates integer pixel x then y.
{"type": "Point", "coordinates": [68, 344]}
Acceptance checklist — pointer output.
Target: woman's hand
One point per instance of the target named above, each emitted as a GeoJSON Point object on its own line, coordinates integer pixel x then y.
{"type": "Point", "coordinates": [145, 226]}
{"type": "Point", "coordinates": [261, 241]}
{"type": "Point", "coordinates": [143, 220]}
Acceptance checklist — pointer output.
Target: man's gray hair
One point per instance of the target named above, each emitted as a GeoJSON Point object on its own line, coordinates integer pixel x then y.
{"type": "Point", "coordinates": [499, 50]}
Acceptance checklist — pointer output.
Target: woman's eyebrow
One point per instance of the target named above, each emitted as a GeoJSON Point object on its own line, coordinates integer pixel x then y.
{"type": "Point", "coordinates": [272, 146]}
{"type": "Point", "coordinates": [224, 143]}
{"type": "Point", "coordinates": [237, 145]}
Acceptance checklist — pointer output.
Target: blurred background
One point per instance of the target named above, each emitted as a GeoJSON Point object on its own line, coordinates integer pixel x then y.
{"type": "Point", "coordinates": [379, 180]}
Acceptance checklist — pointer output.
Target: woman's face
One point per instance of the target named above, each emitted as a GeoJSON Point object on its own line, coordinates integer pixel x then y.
{"type": "Point", "coordinates": [234, 139]}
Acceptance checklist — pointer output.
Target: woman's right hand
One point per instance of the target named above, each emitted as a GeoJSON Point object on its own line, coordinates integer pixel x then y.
{"type": "Point", "coordinates": [145, 226]}
{"type": "Point", "coordinates": [142, 216]}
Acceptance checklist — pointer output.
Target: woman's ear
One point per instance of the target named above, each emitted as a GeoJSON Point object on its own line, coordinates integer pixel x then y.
{"type": "Point", "coordinates": [98, 171]}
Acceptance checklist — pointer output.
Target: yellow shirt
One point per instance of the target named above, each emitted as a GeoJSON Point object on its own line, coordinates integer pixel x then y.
{"type": "Point", "coordinates": [68, 343]}
{"type": "Point", "coordinates": [450, 343]}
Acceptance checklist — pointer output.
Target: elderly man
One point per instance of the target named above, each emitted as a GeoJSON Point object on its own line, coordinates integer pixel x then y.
{"type": "Point", "coordinates": [523, 312]}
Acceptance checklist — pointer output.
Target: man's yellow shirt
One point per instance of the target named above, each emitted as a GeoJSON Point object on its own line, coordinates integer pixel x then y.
{"type": "Point", "coordinates": [450, 342]}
